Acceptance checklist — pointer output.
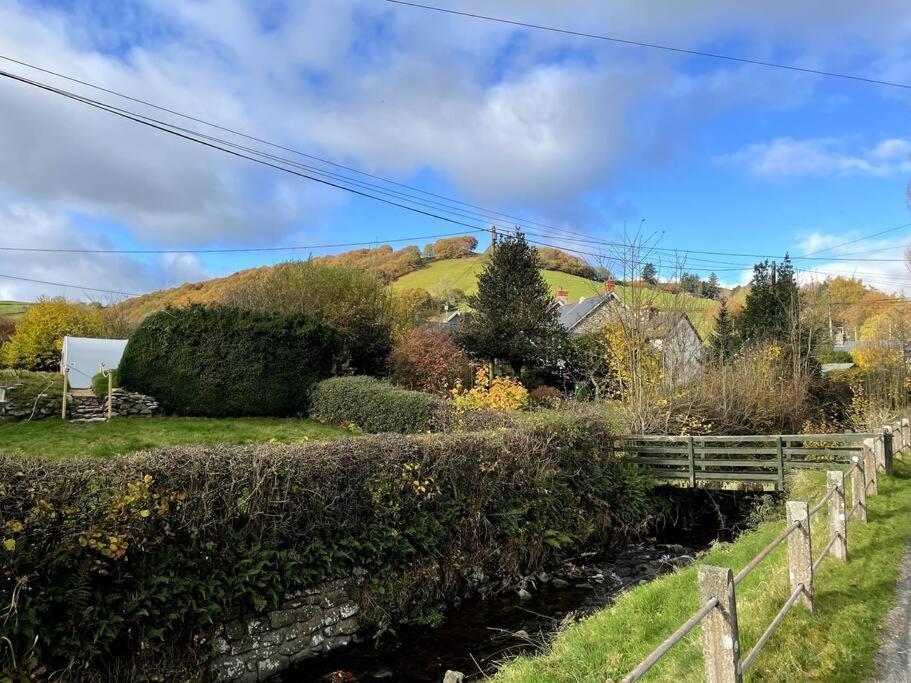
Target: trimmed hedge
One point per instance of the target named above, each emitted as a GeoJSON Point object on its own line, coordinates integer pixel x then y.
{"type": "Point", "coordinates": [373, 405]}
{"type": "Point", "coordinates": [129, 564]}
{"type": "Point", "coordinates": [220, 361]}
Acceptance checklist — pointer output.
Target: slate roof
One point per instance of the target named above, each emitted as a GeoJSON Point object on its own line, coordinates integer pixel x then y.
{"type": "Point", "coordinates": [831, 367]}
{"type": "Point", "coordinates": [573, 314]}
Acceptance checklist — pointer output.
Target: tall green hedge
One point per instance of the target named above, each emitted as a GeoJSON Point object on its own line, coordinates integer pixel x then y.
{"type": "Point", "coordinates": [128, 564]}
{"type": "Point", "coordinates": [373, 405]}
{"type": "Point", "coordinates": [224, 362]}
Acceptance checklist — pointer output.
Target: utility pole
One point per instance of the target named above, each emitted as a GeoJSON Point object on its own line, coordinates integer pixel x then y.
{"type": "Point", "coordinates": [774, 273]}
{"type": "Point", "coordinates": [493, 236]}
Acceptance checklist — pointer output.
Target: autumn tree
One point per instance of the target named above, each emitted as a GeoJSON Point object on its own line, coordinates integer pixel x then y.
{"type": "Point", "coordinates": [514, 317]}
{"type": "Point", "coordinates": [428, 359]}
{"type": "Point", "coordinates": [452, 247]}
{"type": "Point", "coordinates": [38, 340]}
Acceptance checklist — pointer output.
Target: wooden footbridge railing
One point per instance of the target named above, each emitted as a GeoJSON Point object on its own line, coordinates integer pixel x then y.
{"type": "Point", "coordinates": [717, 586]}
{"type": "Point", "coordinates": [755, 459]}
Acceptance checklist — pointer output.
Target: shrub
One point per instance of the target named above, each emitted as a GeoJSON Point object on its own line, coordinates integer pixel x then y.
{"type": "Point", "coordinates": [100, 383]}
{"type": "Point", "coordinates": [112, 561]}
{"type": "Point", "coordinates": [38, 340]}
{"type": "Point", "coordinates": [499, 393]}
{"type": "Point", "coordinates": [221, 362]}
{"type": "Point", "coordinates": [373, 405]}
{"type": "Point", "coordinates": [352, 301]}
{"type": "Point", "coordinates": [547, 397]}
{"type": "Point", "coordinates": [428, 360]}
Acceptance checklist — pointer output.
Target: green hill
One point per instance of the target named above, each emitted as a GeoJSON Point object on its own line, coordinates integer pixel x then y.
{"type": "Point", "coordinates": [13, 309]}
{"type": "Point", "coordinates": [462, 273]}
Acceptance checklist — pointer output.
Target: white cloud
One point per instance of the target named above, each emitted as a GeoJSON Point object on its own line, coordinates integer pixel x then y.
{"type": "Point", "coordinates": [783, 157]}
{"type": "Point", "coordinates": [878, 262]}
{"type": "Point", "coordinates": [26, 226]}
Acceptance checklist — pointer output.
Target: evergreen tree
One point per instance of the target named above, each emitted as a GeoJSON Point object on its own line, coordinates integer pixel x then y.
{"type": "Point", "coordinates": [691, 283]}
{"type": "Point", "coordinates": [711, 288]}
{"type": "Point", "coordinates": [514, 317]}
{"type": "Point", "coordinates": [723, 342]}
{"type": "Point", "coordinates": [650, 274]}
{"type": "Point", "coordinates": [772, 302]}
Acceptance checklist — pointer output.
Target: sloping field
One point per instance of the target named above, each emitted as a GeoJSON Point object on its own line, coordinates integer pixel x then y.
{"type": "Point", "coordinates": [12, 309]}
{"type": "Point", "coordinates": [463, 274]}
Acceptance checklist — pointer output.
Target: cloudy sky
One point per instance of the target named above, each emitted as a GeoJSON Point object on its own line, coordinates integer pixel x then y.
{"type": "Point", "coordinates": [723, 160]}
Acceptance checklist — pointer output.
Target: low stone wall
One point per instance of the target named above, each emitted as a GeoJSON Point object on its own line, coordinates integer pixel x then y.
{"type": "Point", "coordinates": [79, 407]}
{"type": "Point", "coordinates": [308, 623]}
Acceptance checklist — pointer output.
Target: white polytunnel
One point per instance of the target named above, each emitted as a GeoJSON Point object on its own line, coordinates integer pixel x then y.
{"type": "Point", "coordinates": [83, 358]}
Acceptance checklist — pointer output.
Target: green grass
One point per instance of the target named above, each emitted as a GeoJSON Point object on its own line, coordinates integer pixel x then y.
{"type": "Point", "coordinates": [27, 385]}
{"type": "Point", "coordinates": [13, 309]}
{"type": "Point", "coordinates": [55, 438]}
{"type": "Point", "coordinates": [463, 274]}
{"type": "Point", "coordinates": [837, 642]}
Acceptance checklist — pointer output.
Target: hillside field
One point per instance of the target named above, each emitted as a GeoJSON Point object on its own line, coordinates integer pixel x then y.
{"type": "Point", "coordinates": [12, 309]}
{"type": "Point", "coordinates": [463, 274]}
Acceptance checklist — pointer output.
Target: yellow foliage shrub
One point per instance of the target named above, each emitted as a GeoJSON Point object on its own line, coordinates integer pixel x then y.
{"type": "Point", "coordinates": [499, 393]}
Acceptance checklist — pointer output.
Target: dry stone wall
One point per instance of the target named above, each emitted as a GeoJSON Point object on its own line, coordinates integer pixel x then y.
{"type": "Point", "coordinates": [308, 623]}
{"type": "Point", "coordinates": [79, 407]}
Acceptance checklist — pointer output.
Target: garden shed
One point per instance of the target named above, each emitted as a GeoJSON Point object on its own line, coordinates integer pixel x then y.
{"type": "Point", "coordinates": [83, 358]}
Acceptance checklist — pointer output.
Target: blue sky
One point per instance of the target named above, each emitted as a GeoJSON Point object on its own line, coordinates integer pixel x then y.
{"type": "Point", "coordinates": [581, 135]}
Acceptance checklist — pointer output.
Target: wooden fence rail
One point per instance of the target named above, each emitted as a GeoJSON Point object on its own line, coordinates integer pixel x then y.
{"type": "Point", "coordinates": [755, 459]}
{"type": "Point", "coordinates": [717, 585]}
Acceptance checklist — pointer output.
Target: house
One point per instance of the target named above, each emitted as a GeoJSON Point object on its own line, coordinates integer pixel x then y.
{"type": "Point", "coordinates": [671, 333]}
{"type": "Point", "coordinates": [82, 358]}
{"type": "Point", "coordinates": [676, 338]}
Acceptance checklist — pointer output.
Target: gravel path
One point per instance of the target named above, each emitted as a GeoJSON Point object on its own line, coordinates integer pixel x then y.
{"type": "Point", "coordinates": [893, 661]}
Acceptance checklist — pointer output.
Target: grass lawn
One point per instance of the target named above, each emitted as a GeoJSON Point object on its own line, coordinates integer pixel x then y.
{"type": "Point", "coordinates": [13, 309]}
{"type": "Point", "coordinates": [837, 642]}
{"type": "Point", "coordinates": [56, 438]}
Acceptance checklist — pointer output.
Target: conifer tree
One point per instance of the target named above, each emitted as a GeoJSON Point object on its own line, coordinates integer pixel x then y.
{"type": "Point", "coordinates": [650, 274]}
{"type": "Point", "coordinates": [723, 341]}
{"type": "Point", "coordinates": [772, 302]}
{"type": "Point", "coordinates": [514, 318]}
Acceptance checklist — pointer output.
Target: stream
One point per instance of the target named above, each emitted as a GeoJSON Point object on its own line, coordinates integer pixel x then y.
{"type": "Point", "coordinates": [479, 634]}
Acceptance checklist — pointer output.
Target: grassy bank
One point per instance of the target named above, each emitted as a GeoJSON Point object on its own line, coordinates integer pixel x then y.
{"type": "Point", "coordinates": [836, 643]}
{"type": "Point", "coordinates": [56, 438]}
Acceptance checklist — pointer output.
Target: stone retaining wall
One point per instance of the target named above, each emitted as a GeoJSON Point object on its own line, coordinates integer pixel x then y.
{"type": "Point", "coordinates": [308, 623]}
{"type": "Point", "coordinates": [125, 403]}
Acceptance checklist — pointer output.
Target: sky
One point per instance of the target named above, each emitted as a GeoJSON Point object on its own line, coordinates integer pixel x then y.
{"type": "Point", "coordinates": [704, 164]}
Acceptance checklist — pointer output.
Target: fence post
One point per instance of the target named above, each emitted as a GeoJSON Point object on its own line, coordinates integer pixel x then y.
{"type": "Point", "coordinates": [779, 453]}
{"type": "Point", "coordinates": [887, 451]}
{"type": "Point", "coordinates": [800, 552]}
{"type": "Point", "coordinates": [879, 449]}
{"type": "Point", "coordinates": [906, 432]}
{"type": "Point", "coordinates": [837, 520]}
{"type": "Point", "coordinates": [63, 404]}
{"type": "Point", "coordinates": [720, 638]}
{"type": "Point", "coordinates": [870, 468]}
{"type": "Point", "coordinates": [692, 462]}
{"type": "Point", "coordinates": [897, 437]}
{"type": "Point", "coordinates": [859, 490]}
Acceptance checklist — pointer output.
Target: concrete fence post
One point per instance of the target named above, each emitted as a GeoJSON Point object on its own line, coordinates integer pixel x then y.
{"type": "Point", "coordinates": [898, 437]}
{"type": "Point", "coordinates": [859, 490]}
{"type": "Point", "coordinates": [720, 637]}
{"type": "Point", "coordinates": [879, 449]}
{"type": "Point", "coordinates": [65, 389]}
{"type": "Point", "coordinates": [838, 528]}
{"type": "Point", "coordinates": [800, 552]}
{"type": "Point", "coordinates": [906, 432]}
{"type": "Point", "coordinates": [870, 473]}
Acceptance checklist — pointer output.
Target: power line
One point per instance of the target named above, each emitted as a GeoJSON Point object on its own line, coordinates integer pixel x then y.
{"type": "Point", "coordinates": [297, 247]}
{"type": "Point", "coordinates": [654, 46]}
{"type": "Point", "coordinates": [61, 284]}
{"type": "Point", "coordinates": [216, 143]}
{"type": "Point", "coordinates": [859, 239]}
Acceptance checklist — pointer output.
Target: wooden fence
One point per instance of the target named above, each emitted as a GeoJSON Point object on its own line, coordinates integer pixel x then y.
{"type": "Point", "coordinates": [754, 459]}
{"type": "Point", "coordinates": [717, 585]}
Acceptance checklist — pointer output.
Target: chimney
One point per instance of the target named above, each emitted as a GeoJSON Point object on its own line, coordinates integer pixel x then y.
{"type": "Point", "coordinates": [609, 286]}
{"type": "Point", "coordinates": [562, 296]}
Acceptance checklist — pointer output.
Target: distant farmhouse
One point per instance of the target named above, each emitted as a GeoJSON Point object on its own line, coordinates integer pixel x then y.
{"type": "Point", "coordinates": [671, 333]}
